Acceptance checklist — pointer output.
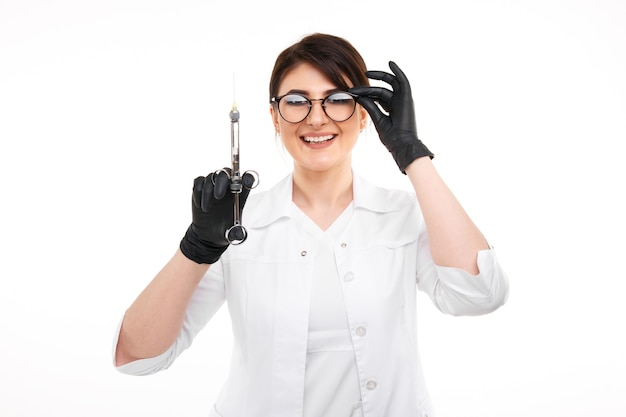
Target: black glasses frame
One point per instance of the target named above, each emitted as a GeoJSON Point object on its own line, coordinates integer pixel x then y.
{"type": "Point", "coordinates": [276, 100]}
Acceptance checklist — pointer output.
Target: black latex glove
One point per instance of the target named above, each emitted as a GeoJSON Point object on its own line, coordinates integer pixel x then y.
{"type": "Point", "coordinates": [398, 129]}
{"type": "Point", "coordinates": [212, 214]}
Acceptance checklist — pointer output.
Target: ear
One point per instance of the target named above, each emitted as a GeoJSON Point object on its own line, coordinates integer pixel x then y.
{"type": "Point", "coordinates": [363, 115]}
{"type": "Point", "coordinates": [274, 115]}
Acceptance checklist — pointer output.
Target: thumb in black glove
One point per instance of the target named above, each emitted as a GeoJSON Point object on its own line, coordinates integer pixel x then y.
{"type": "Point", "coordinates": [212, 215]}
{"type": "Point", "coordinates": [397, 129]}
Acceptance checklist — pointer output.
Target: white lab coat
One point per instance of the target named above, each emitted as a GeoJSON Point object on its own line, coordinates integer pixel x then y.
{"type": "Point", "coordinates": [267, 281]}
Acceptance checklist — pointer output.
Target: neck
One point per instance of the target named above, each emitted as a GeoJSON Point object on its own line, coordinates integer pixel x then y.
{"type": "Point", "coordinates": [322, 195]}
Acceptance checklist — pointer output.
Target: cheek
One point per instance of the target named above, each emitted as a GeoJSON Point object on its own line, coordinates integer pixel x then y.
{"type": "Point", "coordinates": [286, 129]}
{"type": "Point", "coordinates": [357, 124]}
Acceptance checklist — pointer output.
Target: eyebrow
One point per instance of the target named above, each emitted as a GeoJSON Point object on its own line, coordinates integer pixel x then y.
{"type": "Point", "coordinates": [306, 93]}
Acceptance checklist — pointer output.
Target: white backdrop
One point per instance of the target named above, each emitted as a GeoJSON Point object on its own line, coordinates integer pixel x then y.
{"type": "Point", "coordinates": [108, 110]}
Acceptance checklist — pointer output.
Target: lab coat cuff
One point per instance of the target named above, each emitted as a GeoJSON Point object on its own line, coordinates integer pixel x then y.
{"type": "Point", "coordinates": [139, 367]}
{"type": "Point", "coordinates": [462, 282]}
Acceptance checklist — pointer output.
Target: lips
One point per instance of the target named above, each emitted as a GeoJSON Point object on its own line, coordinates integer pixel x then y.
{"type": "Point", "coordinates": [318, 139]}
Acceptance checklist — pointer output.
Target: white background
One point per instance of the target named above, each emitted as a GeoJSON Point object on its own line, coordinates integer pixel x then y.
{"type": "Point", "coordinates": [108, 110]}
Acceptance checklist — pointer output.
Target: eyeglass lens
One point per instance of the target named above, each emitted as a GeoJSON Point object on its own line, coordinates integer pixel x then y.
{"type": "Point", "coordinates": [294, 108]}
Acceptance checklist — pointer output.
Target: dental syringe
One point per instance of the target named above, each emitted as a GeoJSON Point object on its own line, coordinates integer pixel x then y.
{"type": "Point", "coordinates": [237, 234]}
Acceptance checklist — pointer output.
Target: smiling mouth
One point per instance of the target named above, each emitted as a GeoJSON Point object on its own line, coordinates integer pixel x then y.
{"type": "Point", "coordinates": [318, 139]}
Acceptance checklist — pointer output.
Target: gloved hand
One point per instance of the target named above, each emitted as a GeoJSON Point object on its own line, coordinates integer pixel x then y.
{"type": "Point", "coordinates": [398, 130]}
{"type": "Point", "coordinates": [212, 214]}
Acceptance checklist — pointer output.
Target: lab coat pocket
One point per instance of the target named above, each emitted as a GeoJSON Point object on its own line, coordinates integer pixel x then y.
{"type": "Point", "coordinates": [400, 241]}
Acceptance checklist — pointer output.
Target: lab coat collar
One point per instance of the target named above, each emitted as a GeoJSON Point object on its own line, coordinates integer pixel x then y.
{"type": "Point", "coordinates": [269, 206]}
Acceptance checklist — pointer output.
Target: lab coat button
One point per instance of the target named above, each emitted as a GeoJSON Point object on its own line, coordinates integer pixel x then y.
{"type": "Point", "coordinates": [303, 253]}
{"type": "Point", "coordinates": [371, 384]}
{"type": "Point", "coordinates": [361, 331]}
{"type": "Point", "coordinates": [349, 276]}
{"type": "Point", "coordinates": [343, 245]}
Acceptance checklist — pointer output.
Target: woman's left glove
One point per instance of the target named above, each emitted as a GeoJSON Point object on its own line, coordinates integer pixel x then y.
{"type": "Point", "coordinates": [397, 129]}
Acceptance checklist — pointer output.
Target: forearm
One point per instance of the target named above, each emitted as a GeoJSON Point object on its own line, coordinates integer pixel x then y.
{"type": "Point", "coordinates": [152, 323]}
{"type": "Point", "coordinates": [454, 238]}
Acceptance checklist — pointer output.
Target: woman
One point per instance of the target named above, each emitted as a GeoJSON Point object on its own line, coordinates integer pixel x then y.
{"type": "Point", "coordinates": [322, 293]}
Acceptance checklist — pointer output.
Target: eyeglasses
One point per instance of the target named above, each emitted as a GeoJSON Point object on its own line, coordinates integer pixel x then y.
{"type": "Point", "coordinates": [294, 107]}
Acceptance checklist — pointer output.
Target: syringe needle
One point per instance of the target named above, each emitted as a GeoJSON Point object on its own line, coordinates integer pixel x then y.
{"type": "Point", "coordinates": [234, 108]}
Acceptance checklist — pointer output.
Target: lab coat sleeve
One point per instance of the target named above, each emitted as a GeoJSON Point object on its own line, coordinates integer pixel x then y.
{"type": "Point", "coordinates": [208, 297]}
{"type": "Point", "coordinates": [457, 292]}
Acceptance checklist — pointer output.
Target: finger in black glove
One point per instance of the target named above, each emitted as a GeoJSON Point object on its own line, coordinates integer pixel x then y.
{"type": "Point", "coordinates": [212, 215]}
{"type": "Point", "coordinates": [393, 115]}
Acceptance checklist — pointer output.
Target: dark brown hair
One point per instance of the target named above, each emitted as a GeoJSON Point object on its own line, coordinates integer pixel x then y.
{"type": "Point", "coordinates": [332, 55]}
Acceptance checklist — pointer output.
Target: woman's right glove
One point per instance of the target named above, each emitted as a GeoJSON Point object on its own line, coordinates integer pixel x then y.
{"type": "Point", "coordinates": [212, 211]}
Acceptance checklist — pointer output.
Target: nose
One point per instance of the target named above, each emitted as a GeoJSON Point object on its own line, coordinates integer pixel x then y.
{"type": "Point", "coordinates": [317, 116]}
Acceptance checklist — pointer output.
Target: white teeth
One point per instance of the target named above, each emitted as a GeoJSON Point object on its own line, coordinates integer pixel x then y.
{"type": "Point", "coordinates": [317, 139]}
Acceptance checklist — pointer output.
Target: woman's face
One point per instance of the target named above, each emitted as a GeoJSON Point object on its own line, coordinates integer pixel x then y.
{"type": "Point", "coordinates": [317, 143]}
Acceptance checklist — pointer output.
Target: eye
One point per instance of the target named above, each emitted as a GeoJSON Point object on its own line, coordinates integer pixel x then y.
{"type": "Point", "coordinates": [295, 100]}
{"type": "Point", "coordinates": [339, 98]}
